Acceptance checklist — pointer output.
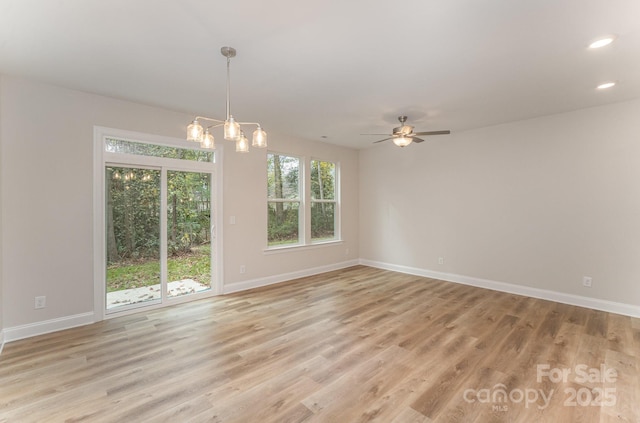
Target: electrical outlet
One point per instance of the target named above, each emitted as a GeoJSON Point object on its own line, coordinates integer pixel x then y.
{"type": "Point", "coordinates": [346, 252]}
{"type": "Point", "coordinates": [41, 302]}
{"type": "Point", "coordinates": [242, 268]}
{"type": "Point", "coordinates": [440, 260]}
{"type": "Point", "coordinates": [586, 281]}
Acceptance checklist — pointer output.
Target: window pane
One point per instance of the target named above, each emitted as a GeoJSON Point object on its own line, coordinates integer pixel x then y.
{"type": "Point", "coordinates": [188, 232]}
{"type": "Point", "coordinates": [133, 235]}
{"type": "Point", "coordinates": [323, 221]}
{"type": "Point", "coordinates": [283, 223]}
{"type": "Point", "coordinates": [142, 149]}
{"type": "Point", "coordinates": [282, 177]}
{"type": "Point", "coordinates": [323, 177]}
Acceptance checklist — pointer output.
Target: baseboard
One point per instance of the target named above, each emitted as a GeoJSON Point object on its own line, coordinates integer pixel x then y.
{"type": "Point", "coordinates": [559, 297]}
{"type": "Point", "coordinates": [68, 322]}
{"type": "Point", "coordinates": [270, 280]}
{"type": "Point", "coordinates": [53, 325]}
{"type": "Point", "coordinates": [40, 328]}
{"type": "Point", "coordinates": [1, 340]}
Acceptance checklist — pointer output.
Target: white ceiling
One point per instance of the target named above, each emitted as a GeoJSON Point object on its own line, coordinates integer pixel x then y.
{"type": "Point", "coordinates": [333, 68]}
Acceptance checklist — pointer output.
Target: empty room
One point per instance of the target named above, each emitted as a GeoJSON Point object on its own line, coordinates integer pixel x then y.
{"type": "Point", "coordinates": [285, 211]}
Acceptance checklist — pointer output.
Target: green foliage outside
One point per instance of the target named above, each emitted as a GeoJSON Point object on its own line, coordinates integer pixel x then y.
{"type": "Point", "coordinates": [283, 223]}
{"type": "Point", "coordinates": [323, 180]}
{"type": "Point", "coordinates": [189, 211]}
{"type": "Point", "coordinates": [283, 184]}
{"type": "Point", "coordinates": [143, 149]}
{"type": "Point", "coordinates": [194, 266]}
{"type": "Point", "coordinates": [133, 226]}
{"type": "Point", "coordinates": [322, 221]}
{"type": "Point", "coordinates": [133, 214]}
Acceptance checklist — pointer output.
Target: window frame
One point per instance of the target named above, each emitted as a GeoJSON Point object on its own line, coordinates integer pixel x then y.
{"type": "Point", "coordinates": [304, 215]}
{"type": "Point", "coordinates": [300, 201]}
{"type": "Point", "coordinates": [334, 201]}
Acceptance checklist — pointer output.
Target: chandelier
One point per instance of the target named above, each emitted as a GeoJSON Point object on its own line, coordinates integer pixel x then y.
{"type": "Point", "coordinates": [232, 129]}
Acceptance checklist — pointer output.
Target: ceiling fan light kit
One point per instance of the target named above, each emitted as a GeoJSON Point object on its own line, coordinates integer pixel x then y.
{"type": "Point", "coordinates": [402, 141]}
{"type": "Point", "coordinates": [232, 129]}
{"type": "Point", "coordinates": [403, 135]}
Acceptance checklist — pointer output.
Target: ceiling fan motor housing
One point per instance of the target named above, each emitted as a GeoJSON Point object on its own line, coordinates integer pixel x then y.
{"type": "Point", "coordinates": [403, 130]}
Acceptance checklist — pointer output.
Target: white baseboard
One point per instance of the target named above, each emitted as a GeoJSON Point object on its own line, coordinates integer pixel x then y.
{"type": "Point", "coordinates": [68, 322]}
{"type": "Point", "coordinates": [270, 280]}
{"type": "Point", "coordinates": [47, 326]}
{"type": "Point", "coordinates": [559, 297]}
{"type": "Point", "coordinates": [53, 325]}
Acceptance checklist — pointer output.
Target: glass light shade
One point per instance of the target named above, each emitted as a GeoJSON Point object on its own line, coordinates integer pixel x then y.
{"type": "Point", "coordinates": [242, 144]}
{"type": "Point", "coordinates": [208, 141]}
{"type": "Point", "coordinates": [402, 141]}
{"type": "Point", "coordinates": [194, 131]}
{"type": "Point", "coordinates": [259, 138]}
{"type": "Point", "coordinates": [231, 129]}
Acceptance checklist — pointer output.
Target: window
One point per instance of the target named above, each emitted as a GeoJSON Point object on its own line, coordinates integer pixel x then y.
{"type": "Point", "coordinates": [283, 199]}
{"type": "Point", "coordinates": [323, 200]}
{"type": "Point", "coordinates": [115, 145]}
{"type": "Point", "coordinates": [302, 201]}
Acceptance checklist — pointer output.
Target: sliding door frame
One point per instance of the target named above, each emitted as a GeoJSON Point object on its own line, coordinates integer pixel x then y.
{"type": "Point", "coordinates": [102, 159]}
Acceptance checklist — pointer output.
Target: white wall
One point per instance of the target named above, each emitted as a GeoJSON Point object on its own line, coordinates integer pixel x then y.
{"type": "Point", "coordinates": [537, 203]}
{"type": "Point", "coordinates": [1, 255]}
{"type": "Point", "coordinates": [47, 188]}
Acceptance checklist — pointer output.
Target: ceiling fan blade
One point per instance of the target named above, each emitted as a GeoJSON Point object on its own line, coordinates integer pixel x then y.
{"type": "Point", "coordinates": [376, 134]}
{"type": "Point", "coordinates": [432, 133]}
{"type": "Point", "coordinates": [416, 139]}
{"type": "Point", "coordinates": [386, 139]}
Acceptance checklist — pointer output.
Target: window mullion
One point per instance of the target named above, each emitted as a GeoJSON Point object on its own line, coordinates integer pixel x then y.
{"type": "Point", "coordinates": [306, 194]}
{"type": "Point", "coordinates": [283, 200]}
{"type": "Point", "coordinates": [163, 235]}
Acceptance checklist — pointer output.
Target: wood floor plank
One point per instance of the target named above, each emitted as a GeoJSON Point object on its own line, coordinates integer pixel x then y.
{"type": "Point", "coordinates": [620, 334]}
{"type": "Point", "coordinates": [354, 345]}
{"type": "Point", "coordinates": [409, 415]}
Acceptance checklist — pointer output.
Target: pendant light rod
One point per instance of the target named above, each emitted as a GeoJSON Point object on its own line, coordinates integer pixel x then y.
{"type": "Point", "coordinates": [228, 89]}
{"type": "Point", "coordinates": [228, 52]}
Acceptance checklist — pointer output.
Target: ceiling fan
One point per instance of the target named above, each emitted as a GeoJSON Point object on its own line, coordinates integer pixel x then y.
{"type": "Point", "coordinates": [403, 135]}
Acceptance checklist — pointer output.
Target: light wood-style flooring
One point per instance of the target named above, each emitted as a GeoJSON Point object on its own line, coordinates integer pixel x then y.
{"type": "Point", "coordinates": [355, 345]}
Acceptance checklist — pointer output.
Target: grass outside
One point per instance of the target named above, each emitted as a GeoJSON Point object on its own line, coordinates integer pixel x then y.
{"type": "Point", "coordinates": [194, 265]}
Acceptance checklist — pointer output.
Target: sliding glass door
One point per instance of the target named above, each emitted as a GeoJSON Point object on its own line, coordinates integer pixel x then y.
{"type": "Point", "coordinates": [159, 244]}
{"type": "Point", "coordinates": [188, 232]}
{"type": "Point", "coordinates": [133, 235]}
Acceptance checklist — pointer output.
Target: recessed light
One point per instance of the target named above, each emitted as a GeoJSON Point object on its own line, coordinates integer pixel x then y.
{"type": "Point", "coordinates": [601, 42]}
{"type": "Point", "coordinates": [606, 85]}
